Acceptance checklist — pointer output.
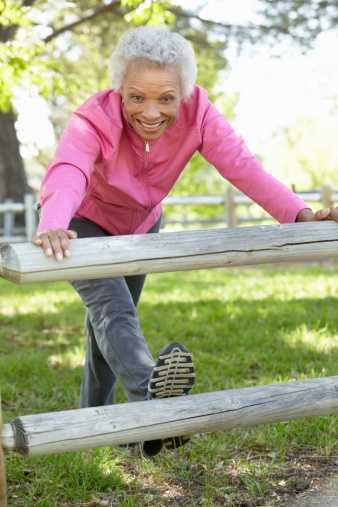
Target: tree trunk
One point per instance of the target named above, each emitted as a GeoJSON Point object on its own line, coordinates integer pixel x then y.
{"type": "Point", "coordinates": [13, 181]}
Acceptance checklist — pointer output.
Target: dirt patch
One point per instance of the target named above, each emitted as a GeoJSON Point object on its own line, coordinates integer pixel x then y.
{"type": "Point", "coordinates": [325, 495]}
{"type": "Point", "coordinates": [303, 475]}
{"type": "Point", "coordinates": [299, 477]}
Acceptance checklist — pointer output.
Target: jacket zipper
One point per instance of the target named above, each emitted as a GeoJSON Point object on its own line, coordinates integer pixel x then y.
{"type": "Point", "coordinates": [146, 162]}
{"type": "Point", "coordinates": [147, 146]}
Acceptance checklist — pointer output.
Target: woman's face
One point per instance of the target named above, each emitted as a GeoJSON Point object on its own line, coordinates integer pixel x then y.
{"type": "Point", "coordinates": [151, 97]}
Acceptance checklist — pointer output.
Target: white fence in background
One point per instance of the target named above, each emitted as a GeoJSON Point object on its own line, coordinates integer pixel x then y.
{"type": "Point", "coordinates": [9, 231]}
{"type": "Point", "coordinates": [230, 216]}
{"type": "Point", "coordinates": [232, 200]}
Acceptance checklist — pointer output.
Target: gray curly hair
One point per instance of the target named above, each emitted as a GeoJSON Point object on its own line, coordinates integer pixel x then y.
{"type": "Point", "coordinates": [156, 44]}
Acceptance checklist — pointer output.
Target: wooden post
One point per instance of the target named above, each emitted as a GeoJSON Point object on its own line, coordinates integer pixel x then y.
{"type": "Point", "coordinates": [30, 217]}
{"type": "Point", "coordinates": [172, 251]}
{"type": "Point", "coordinates": [230, 206]}
{"type": "Point", "coordinates": [327, 196]}
{"type": "Point", "coordinates": [87, 428]}
{"type": "Point", "coordinates": [3, 485]}
{"type": "Point", "coordinates": [8, 221]}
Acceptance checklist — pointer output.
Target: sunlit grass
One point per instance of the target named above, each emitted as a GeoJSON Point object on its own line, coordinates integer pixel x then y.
{"type": "Point", "coordinates": [245, 327]}
{"type": "Point", "coordinates": [69, 359]}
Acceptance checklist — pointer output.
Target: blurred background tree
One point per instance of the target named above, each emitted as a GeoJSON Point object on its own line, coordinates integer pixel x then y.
{"type": "Point", "coordinates": [60, 48]}
{"type": "Point", "coordinates": [305, 154]}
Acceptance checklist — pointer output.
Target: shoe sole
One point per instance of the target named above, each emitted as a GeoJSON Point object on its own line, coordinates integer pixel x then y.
{"type": "Point", "coordinates": [173, 374]}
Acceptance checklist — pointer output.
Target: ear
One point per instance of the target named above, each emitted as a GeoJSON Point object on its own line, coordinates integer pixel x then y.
{"type": "Point", "coordinates": [120, 92]}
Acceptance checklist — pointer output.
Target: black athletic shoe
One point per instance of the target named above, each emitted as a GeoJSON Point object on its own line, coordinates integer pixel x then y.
{"type": "Point", "coordinates": [143, 449]}
{"type": "Point", "coordinates": [173, 375]}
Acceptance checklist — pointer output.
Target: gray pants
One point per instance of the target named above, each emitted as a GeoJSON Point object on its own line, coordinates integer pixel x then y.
{"type": "Point", "coordinates": [116, 348]}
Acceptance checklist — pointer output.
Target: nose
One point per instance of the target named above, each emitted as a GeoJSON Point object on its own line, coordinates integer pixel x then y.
{"type": "Point", "coordinates": [150, 111]}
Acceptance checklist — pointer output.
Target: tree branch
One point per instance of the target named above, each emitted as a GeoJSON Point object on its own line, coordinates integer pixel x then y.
{"type": "Point", "coordinates": [189, 14]}
{"type": "Point", "coordinates": [114, 5]}
{"type": "Point", "coordinates": [28, 3]}
{"type": "Point", "coordinates": [177, 11]}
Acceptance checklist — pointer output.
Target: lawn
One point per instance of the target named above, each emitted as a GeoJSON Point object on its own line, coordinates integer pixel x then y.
{"type": "Point", "coordinates": [244, 326]}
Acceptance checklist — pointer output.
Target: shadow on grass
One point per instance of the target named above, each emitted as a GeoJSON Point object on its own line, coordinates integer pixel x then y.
{"type": "Point", "coordinates": [240, 342]}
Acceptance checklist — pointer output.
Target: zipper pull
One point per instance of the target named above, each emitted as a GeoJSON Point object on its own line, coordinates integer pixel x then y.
{"type": "Point", "coordinates": [146, 146]}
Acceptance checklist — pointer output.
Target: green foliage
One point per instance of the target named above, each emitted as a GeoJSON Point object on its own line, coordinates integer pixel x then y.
{"type": "Point", "coordinates": [14, 62]}
{"type": "Point", "coordinates": [132, 3]}
{"type": "Point", "coordinates": [87, 74]}
{"type": "Point", "coordinates": [23, 58]}
{"type": "Point", "coordinates": [12, 12]}
{"type": "Point", "coordinates": [149, 13]}
{"type": "Point", "coordinates": [305, 154]}
{"type": "Point", "coordinates": [15, 55]}
{"type": "Point", "coordinates": [23, 65]}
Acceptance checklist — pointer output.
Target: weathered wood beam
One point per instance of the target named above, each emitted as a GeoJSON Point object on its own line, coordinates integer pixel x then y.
{"type": "Point", "coordinates": [85, 428]}
{"type": "Point", "coordinates": [172, 251]}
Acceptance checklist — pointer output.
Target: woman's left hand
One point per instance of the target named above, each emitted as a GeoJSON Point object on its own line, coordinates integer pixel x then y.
{"type": "Point", "coordinates": [307, 215]}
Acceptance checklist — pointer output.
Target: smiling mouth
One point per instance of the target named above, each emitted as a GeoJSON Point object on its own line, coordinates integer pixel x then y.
{"type": "Point", "coordinates": [151, 126]}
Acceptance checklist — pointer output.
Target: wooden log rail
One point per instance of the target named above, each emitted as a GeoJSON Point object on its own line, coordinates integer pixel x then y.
{"type": "Point", "coordinates": [85, 428]}
{"type": "Point", "coordinates": [172, 251]}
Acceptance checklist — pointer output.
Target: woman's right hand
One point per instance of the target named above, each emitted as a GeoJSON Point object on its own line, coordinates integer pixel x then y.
{"type": "Point", "coordinates": [55, 242]}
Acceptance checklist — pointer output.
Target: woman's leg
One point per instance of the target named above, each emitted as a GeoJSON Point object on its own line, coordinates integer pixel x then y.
{"type": "Point", "coordinates": [98, 380]}
{"type": "Point", "coordinates": [117, 332]}
{"type": "Point", "coordinates": [115, 340]}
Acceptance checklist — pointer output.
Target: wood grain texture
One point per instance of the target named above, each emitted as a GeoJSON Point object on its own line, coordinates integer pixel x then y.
{"type": "Point", "coordinates": [172, 251]}
{"type": "Point", "coordinates": [131, 422]}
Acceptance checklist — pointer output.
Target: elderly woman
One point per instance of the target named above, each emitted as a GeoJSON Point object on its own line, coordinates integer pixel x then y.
{"type": "Point", "coordinates": [120, 155]}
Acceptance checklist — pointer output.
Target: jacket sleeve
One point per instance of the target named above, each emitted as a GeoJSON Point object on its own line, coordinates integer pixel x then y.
{"type": "Point", "coordinates": [233, 160]}
{"type": "Point", "coordinates": [65, 183]}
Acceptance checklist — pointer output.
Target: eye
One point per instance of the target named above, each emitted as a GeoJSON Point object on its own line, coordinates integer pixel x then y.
{"type": "Point", "coordinates": [136, 98]}
{"type": "Point", "coordinates": [167, 99]}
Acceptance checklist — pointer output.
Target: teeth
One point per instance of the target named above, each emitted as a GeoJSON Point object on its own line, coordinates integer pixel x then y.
{"type": "Point", "coordinates": [150, 125]}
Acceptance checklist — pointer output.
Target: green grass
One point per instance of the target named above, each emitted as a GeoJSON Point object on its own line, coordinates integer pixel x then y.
{"type": "Point", "coordinates": [245, 327]}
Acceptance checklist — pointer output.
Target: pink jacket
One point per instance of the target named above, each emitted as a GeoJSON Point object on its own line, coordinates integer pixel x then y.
{"type": "Point", "coordinates": [104, 171]}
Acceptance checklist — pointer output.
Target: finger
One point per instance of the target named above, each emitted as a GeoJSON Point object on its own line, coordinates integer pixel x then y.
{"type": "Point", "coordinates": [55, 238]}
{"type": "Point", "coordinates": [64, 236]}
{"type": "Point", "coordinates": [65, 242]}
{"type": "Point", "coordinates": [65, 245]}
{"type": "Point", "coordinates": [71, 234]}
{"type": "Point", "coordinates": [36, 240]}
{"type": "Point", "coordinates": [322, 214]}
{"type": "Point", "coordinates": [46, 245]}
{"type": "Point", "coordinates": [334, 214]}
